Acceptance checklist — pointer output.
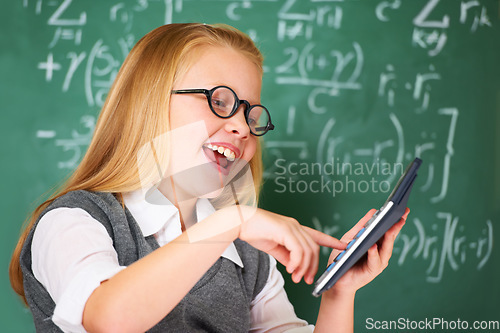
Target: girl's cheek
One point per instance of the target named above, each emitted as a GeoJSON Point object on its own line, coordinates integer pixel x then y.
{"type": "Point", "coordinates": [250, 149]}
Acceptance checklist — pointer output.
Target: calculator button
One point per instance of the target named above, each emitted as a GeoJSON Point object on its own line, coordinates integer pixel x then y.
{"type": "Point", "coordinates": [340, 255]}
{"type": "Point", "coordinates": [359, 233]}
{"type": "Point", "coordinates": [329, 268]}
{"type": "Point", "coordinates": [373, 218]}
{"type": "Point", "coordinates": [350, 244]}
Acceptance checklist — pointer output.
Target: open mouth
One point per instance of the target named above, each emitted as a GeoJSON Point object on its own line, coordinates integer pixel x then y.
{"type": "Point", "coordinates": [223, 157]}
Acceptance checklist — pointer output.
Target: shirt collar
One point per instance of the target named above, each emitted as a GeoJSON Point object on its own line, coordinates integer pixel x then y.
{"type": "Point", "coordinates": [156, 215]}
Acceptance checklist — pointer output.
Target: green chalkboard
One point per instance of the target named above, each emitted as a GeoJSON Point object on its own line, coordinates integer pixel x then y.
{"type": "Point", "coordinates": [357, 89]}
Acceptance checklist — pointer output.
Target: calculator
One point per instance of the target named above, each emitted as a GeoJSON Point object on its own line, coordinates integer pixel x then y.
{"type": "Point", "coordinates": [383, 219]}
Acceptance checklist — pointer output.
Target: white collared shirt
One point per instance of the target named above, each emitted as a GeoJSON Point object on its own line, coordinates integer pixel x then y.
{"type": "Point", "coordinates": [72, 254]}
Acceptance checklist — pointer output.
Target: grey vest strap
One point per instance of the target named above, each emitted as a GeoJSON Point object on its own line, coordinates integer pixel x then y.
{"type": "Point", "coordinates": [219, 302]}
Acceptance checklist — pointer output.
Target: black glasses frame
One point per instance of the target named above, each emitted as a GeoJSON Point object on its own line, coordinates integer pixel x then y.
{"type": "Point", "coordinates": [238, 102]}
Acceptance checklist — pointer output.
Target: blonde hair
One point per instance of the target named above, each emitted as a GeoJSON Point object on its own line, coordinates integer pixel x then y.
{"type": "Point", "coordinates": [136, 112]}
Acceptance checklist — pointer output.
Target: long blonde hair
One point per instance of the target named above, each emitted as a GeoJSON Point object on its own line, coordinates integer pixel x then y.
{"type": "Point", "coordinates": [136, 112]}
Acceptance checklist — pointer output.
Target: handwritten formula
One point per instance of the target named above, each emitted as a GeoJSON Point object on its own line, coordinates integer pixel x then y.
{"type": "Point", "coordinates": [350, 85]}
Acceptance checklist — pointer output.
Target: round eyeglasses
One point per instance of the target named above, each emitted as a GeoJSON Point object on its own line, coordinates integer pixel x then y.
{"type": "Point", "coordinates": [224, 103]}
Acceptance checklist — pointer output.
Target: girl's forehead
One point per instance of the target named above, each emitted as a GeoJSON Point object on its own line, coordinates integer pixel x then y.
{"type": "Point", "coordinates": [217, 65]}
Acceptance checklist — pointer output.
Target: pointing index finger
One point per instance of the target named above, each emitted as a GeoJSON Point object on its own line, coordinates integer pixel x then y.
{"type": "Point", "coordinates": [324, 239]}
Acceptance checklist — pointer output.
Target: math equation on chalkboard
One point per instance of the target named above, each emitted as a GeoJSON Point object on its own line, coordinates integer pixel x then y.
{"type": "Point", "coordinates": [357, 89]}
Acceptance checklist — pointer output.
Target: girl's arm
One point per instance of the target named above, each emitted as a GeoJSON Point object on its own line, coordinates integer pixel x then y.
{"type": "Point", "coordinates": [138, 297]}
{"type": "Point", "coordinates": [336, 313]}
{"type": "Point", "coordinates": [129, 302]}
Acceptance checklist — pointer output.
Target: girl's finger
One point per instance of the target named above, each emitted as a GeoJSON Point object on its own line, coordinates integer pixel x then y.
{"type": "Point", "coordinates": [281, 254]}
{"type": "Point", "coordinates": [303, 266]}
{"type": "Point", "coordinates": [374, 262]}
{"type": "Point", "coordinates": [388, 240]}
{"type": "Point", "coordinates": [405, 215]}
{"type": "Point", "coordinates": [324, 239]}
{"type": "Point", "coordinates": [313, 266]}
{"type": "Point", "coordinates": [358, 226]}
{"type": "Point", "coordinates": [387, 243]}
{"type": "Point", "coordinates": [292, 244]}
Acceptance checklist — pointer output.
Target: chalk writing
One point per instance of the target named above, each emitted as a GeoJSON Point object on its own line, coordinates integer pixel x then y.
{"type": "Point", "coordinates": [49, 66]}
{"type": "Point", "coordinates": [432, 34]}
{"type": "Point", "coordinates": [346, 100]}
{"type": "Point", "coordinates": [58, 18]}
{"type": "Point", "coordinates": [390, 87]}
{"type": "Point", "coordinates": [293, 24]}
{"type": "Point", "coordinates": [75, 145]}
{"type": "Point", "coordinates": [100, 72]}
{"type": "Point", "coordinates": [478, 13]}
{"type": "Point", "coordinates": [383, 8]}
{"type": "Point", "coordinates": [345, 67]}
{"type": "Point", "coordinates": [445, 243]}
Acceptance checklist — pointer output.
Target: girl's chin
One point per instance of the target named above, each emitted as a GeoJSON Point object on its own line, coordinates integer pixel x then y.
{"type": "Point", "coordinates": [206, 180]}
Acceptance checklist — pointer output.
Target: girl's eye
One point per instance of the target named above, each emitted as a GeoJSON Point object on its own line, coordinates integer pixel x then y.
{"type": "Point", "coordinates": [219, 104]}
{"type": "Point", "coordinates": [223, 101]}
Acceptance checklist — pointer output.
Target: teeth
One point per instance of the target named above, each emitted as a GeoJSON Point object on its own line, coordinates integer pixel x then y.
{"type": "Point", "coordinates": [228, 153]}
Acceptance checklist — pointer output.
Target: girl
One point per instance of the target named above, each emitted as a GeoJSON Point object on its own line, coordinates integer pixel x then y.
{"type": "Point", "coordinates": [177, 142]}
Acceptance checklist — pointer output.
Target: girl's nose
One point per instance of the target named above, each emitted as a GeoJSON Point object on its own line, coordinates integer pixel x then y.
{"type": "Point", "coordinates": [237, 124]}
